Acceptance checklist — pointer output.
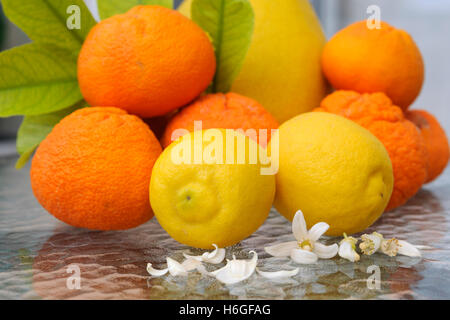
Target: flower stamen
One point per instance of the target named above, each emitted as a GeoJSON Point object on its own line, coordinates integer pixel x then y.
{"type": "Point", "coordinates": [306, 244]}
{"type": "Point", "coordinates": [390, 247]}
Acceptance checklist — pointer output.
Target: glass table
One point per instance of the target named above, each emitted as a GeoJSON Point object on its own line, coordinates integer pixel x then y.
{"type": "Point", "coordinates": [37, 252]}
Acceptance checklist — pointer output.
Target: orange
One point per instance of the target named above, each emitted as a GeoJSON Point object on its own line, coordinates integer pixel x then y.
{"type": "Point", "coordinates": [378, 60]}
{"type": "Point", "coordinates": [148, 61]}
{"type": "Point", "coordinates": [399, 136]}
{"type": "Point", "coordinates": [435, 140]}
{"type": "Point", "coordinates": [94, 168]}
{"type": "Point", "coordinates": [225, 111]}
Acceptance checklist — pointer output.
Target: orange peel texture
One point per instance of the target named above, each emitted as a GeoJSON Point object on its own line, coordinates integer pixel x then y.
{"type": "Point", "coordinates": [375, 60]}
{"type": "Point", "coordinates": [93, 170]}
{"type": "Point", "coordinates": [400, 137]}
{"type": "Point", "coordinates": [148, 61]}
{"type": "Point", "coordinates": [224, 111]}
{"type": "Point", "coordinates": [435, 139]}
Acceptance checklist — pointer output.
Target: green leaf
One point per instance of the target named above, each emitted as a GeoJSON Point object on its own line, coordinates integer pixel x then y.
{"type": "Point", "coordinates": [36, 79]}
{"type": "Point", "coordinates": [48, 21]}
{"type": "Point", "coordinates": [109, 8]}
{"type": "Point", "coordinates": [34, 129]}
{"type": "Point", "coordinates": [230, 25]}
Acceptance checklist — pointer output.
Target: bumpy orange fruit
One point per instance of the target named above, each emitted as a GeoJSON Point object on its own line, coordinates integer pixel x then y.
{"type": "Point", "coordinates": [93, 169]}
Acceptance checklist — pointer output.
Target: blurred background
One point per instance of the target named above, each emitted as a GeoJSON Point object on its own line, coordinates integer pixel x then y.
{"type": "Point", "coordinates": [426, 20]}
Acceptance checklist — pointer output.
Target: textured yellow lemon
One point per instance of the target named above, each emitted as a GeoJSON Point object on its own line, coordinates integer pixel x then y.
{"type": "Point", "coordinates": [282, 67]}
{"type": "Point", "coordinates": [334, 171]}
{"type": "Point", "coordinates": [201, 202]}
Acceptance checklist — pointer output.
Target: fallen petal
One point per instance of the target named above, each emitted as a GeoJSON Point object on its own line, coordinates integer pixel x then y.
{"type": "Point", "coordinates": [190, 264]}
{"type": "Point", "coordinates": [421, 247]}
{"type": "Point", "coordinates": [214, 257]}
{"type": "Point", "coordinates": [253, 261]}
{"type": "Point", "coordinates": [303, 257]}
{"type": "Point", "coordinates": [156, 272]}
{"type": "Point", "coordinates": [202, 270]}
{"type": "Point", "coordinates": [282, 249]}
{"type": "Point", "coordinates": [325, 252]}
{"type": "Point", "coordinates": [277, 274]}
{"type": "Point", "coordinates": [189, 257]}
{"type": "Point", "coordinates": [236, 270]}
{"type": "Point", "coordinates": [176, 268]}
{"type": "Point", "coordinates": [407, 249]}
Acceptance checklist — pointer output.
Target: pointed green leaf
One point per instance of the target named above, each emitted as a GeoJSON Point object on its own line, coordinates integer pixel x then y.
{"type": "Point", "coordinates": [230, 25]}
{"type": "Point", "coordinates": [109, 8]}
{"type": "Point", "coordinates": [36, 79]}
{"type": "Point", "coordinates": [24, 158]}
{"type": "Point", "coordinates": [34, 129]}
{"type": "Point", "coordinates": [62, 23]}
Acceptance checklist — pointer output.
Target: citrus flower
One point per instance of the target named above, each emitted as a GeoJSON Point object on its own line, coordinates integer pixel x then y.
{"type": "Point", "coordinates": [374, 242]}
{"type": "Point", "coordinates": [174, 268]}
{"type": "Point", "coordinates": [370, 243]}
{"type": "Point", "coordinates": [236, 270]}
{"type": "Point", "coordinates": [306, 249]}
{"type": "Point", "coordinates": [214, 257]}
{"type": "Point", "coordinates": [393, 246]}
{"type": "Point", "coordinates": [347, 248]}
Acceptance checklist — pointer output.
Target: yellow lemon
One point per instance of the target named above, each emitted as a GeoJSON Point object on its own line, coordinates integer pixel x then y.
{"type": "Point", "coordinates": [334, 171]}
{"type": "Point", "coordinates": [207, 188]}
{"type": "Point", "coordinates": [282, 68]}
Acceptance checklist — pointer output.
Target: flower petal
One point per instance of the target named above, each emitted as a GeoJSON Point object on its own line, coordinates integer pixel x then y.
{"type": "Point", "coordinates": [214, 257]}
{"type": "Point", "coordinates": [189, 257]}
{"type": "Point", "coordinates": [303, 256]}
{"type": "Point", "coordinates": [346, 251]}
{"type": "Point", "coordinates": [223, 269]}
{"type": "Point", "coordinates": [251, 264]}
{"type": "Point", "coordinates": [190, 264]}
{"type": "Point", "coordinates": [282, 249]}
{"type": "Point", "coordinates": [202, 270]}
{"type": "Point", "coordinates": [236, 270]}
{"type": "Point", "coordinates": [299, 226]}
{"type": "Point", "coordinates": [277, 274]}
{"type": "Point", "coordinates": [407, 249]}
{"type": "Point", "coordinates": [156, 272]}
{"type": "Point", "coordinates": [317, 231]}
{"type": "Point", "coordinates": [421, 247]}
{"type": "Point", "coordinates": [325, 252]}
{"type": "Point", "coordinates": [176, 268]}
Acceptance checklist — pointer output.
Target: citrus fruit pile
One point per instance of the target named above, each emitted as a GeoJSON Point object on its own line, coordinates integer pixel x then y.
{"type": "Point", "coordinates": [378, 73]}
{"type": "Point", "coordinates": [156, 141]}
{"type": "Point", "coordinates": [95, 167]}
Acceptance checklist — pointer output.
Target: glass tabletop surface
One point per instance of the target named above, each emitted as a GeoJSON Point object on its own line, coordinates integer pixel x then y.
{"type": "Point", "coordinates": [37, 252]}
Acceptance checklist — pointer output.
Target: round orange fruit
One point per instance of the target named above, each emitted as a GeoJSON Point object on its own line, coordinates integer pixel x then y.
{"type": "Point", "coordinates": [435, 139]}
{"type": "Point", "coordinates": [375, 60]}
{"type": "Point", "coordinates": [148, 61]}
{"type": "Point", "coordinates": [399, 136]}
{"type": "Point", "coordinates": [224, 111]}
{"type": "Point", "coordinates": [93, 169]}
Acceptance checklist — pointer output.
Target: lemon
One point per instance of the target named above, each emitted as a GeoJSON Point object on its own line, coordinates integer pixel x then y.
{"type": "Point", "coordinates": [201, 197]}
{"type": "Point", "coordinates": [334, 171]}
{"type": "Point", "coordinates": [282, 67]}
